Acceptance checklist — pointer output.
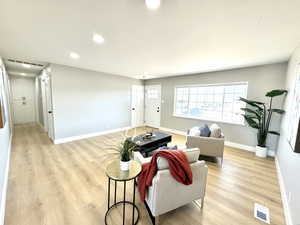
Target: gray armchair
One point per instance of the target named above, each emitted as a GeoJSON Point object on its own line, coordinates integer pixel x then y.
{"type": "Point", "coordinates": [209, 146]}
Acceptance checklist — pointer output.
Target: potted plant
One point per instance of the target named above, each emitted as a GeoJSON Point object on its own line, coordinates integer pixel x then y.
{"type": "Point", "coordinates": [258, 115]}
{"type": "Point", "coordinates": [125, 150]}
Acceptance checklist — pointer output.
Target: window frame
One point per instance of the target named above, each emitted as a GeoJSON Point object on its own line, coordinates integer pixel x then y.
{"type": "Point", "coordinates": [207, 85]}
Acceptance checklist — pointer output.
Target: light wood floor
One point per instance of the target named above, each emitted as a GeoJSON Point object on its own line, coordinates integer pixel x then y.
{"type": "Point", "coordinates": [66, 185]}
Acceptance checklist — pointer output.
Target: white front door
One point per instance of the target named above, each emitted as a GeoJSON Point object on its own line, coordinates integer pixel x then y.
{"type": "Point", "coordinates": [137, 105]}
{"type": "Point", "coordinates": [23, 99]}
{"type": "Point", "coordinates": [152, 105]}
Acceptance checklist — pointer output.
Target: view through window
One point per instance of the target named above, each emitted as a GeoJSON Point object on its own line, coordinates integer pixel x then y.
{"type": "Point", "coordinates": [211, 102]}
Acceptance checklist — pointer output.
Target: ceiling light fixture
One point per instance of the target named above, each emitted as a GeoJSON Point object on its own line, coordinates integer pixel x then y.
{"type": "Point", "coordinates": [26, 65]}
{"type": "Point", "coordinates": [23, 74]}
{"type": "Point", "coordinates": [97, 38]}
{"type": "Point", "coordinates": [74, 55]}
{"type": "Point", "coordinates": [152, 4]}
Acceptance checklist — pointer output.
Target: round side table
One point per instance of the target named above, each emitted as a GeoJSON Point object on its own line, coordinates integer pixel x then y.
{"type": "Point", "coordinates": [114, 173]}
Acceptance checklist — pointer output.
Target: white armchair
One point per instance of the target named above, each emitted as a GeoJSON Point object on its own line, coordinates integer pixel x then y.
{"type": "Point", "coordinates": [166, 193]}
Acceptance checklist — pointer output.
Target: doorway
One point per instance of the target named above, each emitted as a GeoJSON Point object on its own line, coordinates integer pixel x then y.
{"type": "Point", "coordinates": [46, 96]}
{"type": "Point", "coordinates": [23, 99]}
{"type": "Point", "coordinates": [152, 105]}
{"type": "Point", "coordinates": [137, 105]}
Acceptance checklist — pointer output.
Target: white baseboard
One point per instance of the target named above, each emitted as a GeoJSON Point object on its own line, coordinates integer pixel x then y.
{"type": "Point", "coordinates": [40, 125]}
{"type": "Point", "coordinates": [284, 197]}
{"type": "Point", "coordinates": [4, 190]}
{"type": "Point", "coordinates": [227, 143]}
{"type": "Point", "coordinates": [240, 146]}
{"type": "Point", "coordinates": [79, 137]}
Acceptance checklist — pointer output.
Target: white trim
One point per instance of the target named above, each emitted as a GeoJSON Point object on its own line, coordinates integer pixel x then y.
{"type": "Point", "coordinates": [240, 146]}
{"type": "Point", "coordinates": [4, 190]}
{"type": "Point", "coordinates": [286, 208]}
{"type": "Point", "coordinates": [209, 120]}
{"type": "Point", "coordinates": [227, 143]}
{"type": "Point", "coordinates": [79, 137]}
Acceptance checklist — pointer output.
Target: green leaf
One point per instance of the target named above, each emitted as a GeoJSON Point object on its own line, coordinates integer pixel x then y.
{"type": "Point", "coordinates": [280, 111]}
{"type": "Point", "coordinates": [274, 132]}
{"type": "Point", "coordinates": [252, 111]}
{"type": "Point", "coordinates": [253, 103]}
{"type": "Point", "coordinates": [276, 92]}
{"type": "Point", "coordinates": [252, 123]}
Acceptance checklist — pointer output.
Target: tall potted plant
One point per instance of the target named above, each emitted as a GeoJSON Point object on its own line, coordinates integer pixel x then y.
{"type": "Point", "coordinates": [125, 150]}
{"type": "Point", "coordinates": [258, 115]}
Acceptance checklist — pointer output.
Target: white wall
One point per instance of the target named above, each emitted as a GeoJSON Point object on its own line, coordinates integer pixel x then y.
{"type": "Point", "coordinates": [289, 162]}
{"type": "Point", "coordinates": [5, 144]}
{"type": "Point", "coordinates": [87, 102]}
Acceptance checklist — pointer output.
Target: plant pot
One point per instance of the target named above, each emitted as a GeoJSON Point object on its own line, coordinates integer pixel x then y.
{"type": "Point", "coordinates": [261, 152]}
{"type": "Point", "coordinates": [124, 165]}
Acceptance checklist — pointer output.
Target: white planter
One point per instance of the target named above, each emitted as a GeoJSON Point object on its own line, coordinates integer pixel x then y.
{"type": "Point", "coordinates": [261, 152]}
{"type": "Point", "coordinates": [124, 166]}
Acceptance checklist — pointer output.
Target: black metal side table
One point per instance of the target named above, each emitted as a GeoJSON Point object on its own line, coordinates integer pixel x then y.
{"type": "Point", "coordinates": [114, 173]}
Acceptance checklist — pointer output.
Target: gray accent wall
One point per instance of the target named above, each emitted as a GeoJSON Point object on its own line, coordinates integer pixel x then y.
{"type": "Point", "coordinates": [260, 80]}
{"type": "Point", "coordinates": [5, 135]}
{"type": "Point", "coordinates": [86, 102]}
{"type": "Point", "coordinates": [289, 162]}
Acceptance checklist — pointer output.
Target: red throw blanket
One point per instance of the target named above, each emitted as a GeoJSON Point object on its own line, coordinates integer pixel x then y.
{"type": "Point", "coordinates": [178, 165]}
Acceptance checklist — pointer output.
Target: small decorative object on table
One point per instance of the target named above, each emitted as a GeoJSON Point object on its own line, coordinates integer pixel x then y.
{"type": "Point", "coordinates": [126, 149]}
{"type": "Point", "coordinates": [258, 115]}
{"type": "Point", "coordinates": [148, 136]}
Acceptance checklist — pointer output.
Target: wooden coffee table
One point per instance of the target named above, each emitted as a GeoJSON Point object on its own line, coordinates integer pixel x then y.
{"type": "Point", "coordinates": [145, 146]}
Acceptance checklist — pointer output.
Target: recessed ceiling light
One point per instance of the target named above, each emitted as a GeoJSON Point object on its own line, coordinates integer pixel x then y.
{"type": "Point", "coordinates": [97, 38]}
{"type": "Point", "coordinates": [23, 74]}
{"type": "Point", "coordinates": [152, 4]}
{"type": "Point", "coordinates": [26, 65]}
{"type": "Point", "coordinates": [74, 55]}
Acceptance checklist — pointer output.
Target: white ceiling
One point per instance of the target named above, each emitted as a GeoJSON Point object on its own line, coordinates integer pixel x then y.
{"type": "Point", "coordinates": [182, 36]}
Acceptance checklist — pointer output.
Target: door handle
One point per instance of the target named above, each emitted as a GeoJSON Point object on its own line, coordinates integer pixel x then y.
{"type": "Point", "coordinates": [49, 111]}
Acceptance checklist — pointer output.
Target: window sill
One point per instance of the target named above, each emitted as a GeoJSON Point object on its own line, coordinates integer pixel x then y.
{"type": "Point", "coordinates": [202, 119]}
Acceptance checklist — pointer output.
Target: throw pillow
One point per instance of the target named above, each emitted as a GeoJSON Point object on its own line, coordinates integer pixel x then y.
{"type": "Point", "coordinates": [168, 148]}
{"type": "Point", "coordinates": [194, 131]}
{"type": "Point", "coordinates": [204, 131]}
{"type": "Point", "coordinates": [215, 131]}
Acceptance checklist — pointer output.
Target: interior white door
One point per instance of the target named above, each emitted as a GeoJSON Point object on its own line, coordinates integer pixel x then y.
{"type": "Point", "coordinates": [152, 105]}
{"type": "Point", "coordinates": [23, 99]}
{"type": "Point", "coordinates": [49, 107]}
{"type": "Point", "coordinates": [137, 105]}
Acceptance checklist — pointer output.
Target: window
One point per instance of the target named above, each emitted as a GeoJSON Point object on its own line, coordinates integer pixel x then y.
{"type": "Point", "coordinates": [212, 102]}
{"type": "Point", "coordinates": [152, 93]}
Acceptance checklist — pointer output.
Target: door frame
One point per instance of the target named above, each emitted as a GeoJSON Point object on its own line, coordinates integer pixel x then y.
{"type": "Point", "coordinates": [142, 106]}
{"type": "Point", "coordinates": [44, 100]}
{"type": "Point", "coordinates": [159, 122]}
{"type": "Point", "coordinates": [46, 86]}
